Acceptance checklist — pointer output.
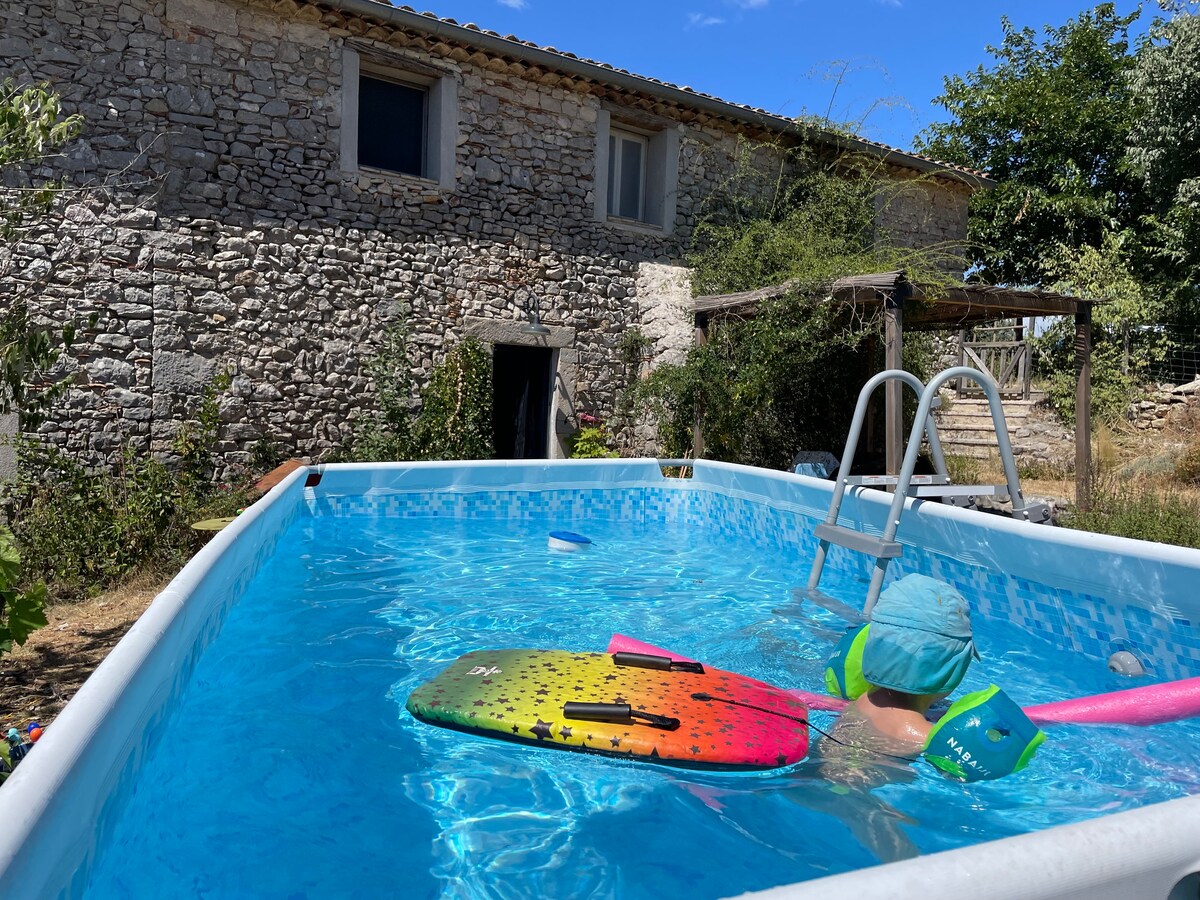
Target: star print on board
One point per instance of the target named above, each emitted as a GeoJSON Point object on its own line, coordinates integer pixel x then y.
{"type": "Point", "coordinates": [565, 732]}
{"type": "Point", "coordinates": [543, 692]}
{"type": "Point", "coordinates": [616, 742]}
{"type": "Point", "coordinates": [542, 729]}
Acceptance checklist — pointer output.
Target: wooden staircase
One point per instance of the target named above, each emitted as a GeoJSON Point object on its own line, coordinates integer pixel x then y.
{"type": "Point", "coordinates": [966, 428]}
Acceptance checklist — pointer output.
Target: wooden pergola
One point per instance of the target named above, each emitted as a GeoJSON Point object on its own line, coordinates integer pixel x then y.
{"type": "Point", "coordinates": [930, 307]}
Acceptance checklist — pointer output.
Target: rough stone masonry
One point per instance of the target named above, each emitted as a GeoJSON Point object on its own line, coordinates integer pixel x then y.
{"type": "Point", "coordinates": [223, 229]}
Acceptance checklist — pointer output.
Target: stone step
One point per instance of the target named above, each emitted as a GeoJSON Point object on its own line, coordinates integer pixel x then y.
{"type": "Point", "coordinates": [969, 442]}
{"type": "Point", "coordinates": [969, 452]}
{"type": "Point", "coordinates": [951, 437]}
{"type": "Point", "coordinates": [980, 423]}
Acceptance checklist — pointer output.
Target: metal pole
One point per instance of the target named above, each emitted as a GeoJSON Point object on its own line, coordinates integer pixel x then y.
{"type": "Point", "coordinates": [701, 331]}
{"type": "Point", "coordinates": [1083, 406]}
{"type": "Point", "coordinates": [893, 360]}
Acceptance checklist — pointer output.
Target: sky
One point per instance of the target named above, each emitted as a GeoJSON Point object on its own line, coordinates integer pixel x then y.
{"type": "Point", "coordinates": [880, 63]}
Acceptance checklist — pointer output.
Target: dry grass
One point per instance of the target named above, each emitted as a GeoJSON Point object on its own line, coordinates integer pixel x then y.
{"type": "Point", "coordinates": [37, 679]}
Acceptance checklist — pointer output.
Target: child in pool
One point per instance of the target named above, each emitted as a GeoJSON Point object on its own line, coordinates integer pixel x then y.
{"type": "Point", "coordinates": [917, 651]}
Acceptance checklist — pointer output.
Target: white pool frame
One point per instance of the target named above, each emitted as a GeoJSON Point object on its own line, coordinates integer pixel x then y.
{"type": "Point", "coordinates": [53, 808]}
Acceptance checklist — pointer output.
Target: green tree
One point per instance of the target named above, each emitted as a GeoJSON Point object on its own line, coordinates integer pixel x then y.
{"type": "Point", "coordinates": [1122, 350]}
{"type": "Point", "coordinates": [1049, 122]}
{"type": "Point", "coordinates": [1164, 148]}
{"type": "Point", "coordinates": [32, 130]}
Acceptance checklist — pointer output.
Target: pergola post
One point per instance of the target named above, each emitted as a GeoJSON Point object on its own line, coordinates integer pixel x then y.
{"type": "Point", "coordinates": [893, 358]}
{"type": "Point", "coordinates": [1083, 405]}
{"type": "Point", "coordinates": [701, 331]}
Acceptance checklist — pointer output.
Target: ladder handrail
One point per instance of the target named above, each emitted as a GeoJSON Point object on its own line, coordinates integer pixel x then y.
{"type": "Point", "coordinates": [885, 547]}
{"type": "Point", "coordinates": [856, 424]}
{"type": "Point", "coordinates": [909, 465]}
{"type": "Point", "coordinates": [847, 459]}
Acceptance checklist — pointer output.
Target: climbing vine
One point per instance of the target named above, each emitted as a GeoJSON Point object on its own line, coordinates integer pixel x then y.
{"type": "Point", "coordinates": [785, 380]}
{"type": "Point", "coordinates": [455, 414]}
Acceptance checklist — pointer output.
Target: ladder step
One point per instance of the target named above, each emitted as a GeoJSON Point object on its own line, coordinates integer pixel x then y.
{"type": "Point", "coordinates": [856, 540]}
{"type": "Point", "coordinates": [960, 490]}
{"type": "Point", "coordinates": [860, 480]}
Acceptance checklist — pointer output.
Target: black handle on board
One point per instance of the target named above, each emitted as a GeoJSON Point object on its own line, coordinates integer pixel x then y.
{"type": "Point", "coordinates": [617, 712]}
{"type": "Point", "coordinates": [662, 663]}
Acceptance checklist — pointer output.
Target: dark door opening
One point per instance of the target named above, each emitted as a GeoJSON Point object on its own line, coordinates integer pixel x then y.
{"type": "Point", "coordinates": [521, 380]}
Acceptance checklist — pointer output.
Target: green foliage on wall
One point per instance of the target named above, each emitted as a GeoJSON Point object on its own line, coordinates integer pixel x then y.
{"type": "Point", "coordinates": [82, 531]}
{"type": "Point", "coordinates": [786, 380]}
{"type": "Point", "coordinates": [32, 129]}
{"type": "Point", "coordinates": [455, 417]}
{"type": "Point", "coordinates": [455, 421]}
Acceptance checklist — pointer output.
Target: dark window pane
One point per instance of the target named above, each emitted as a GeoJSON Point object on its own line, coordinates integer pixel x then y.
{"type": "Point", "coordinates": [631, 179]}
{"type": "Point", "coordinates": [391, 126]}
{"type": "Point", "coordinates": [612, 176]}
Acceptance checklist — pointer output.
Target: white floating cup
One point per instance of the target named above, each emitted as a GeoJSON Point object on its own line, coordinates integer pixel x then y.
{"type": "Point", "coordinates": [568, 541]}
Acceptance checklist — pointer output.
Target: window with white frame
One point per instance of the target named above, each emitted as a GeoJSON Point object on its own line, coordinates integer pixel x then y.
{"type": "Point", "coordinates": [627, 174]}
{"type": "Point", "coordinates": [637, 172]}
{"type": "Point", "coordinates": [399, 117]}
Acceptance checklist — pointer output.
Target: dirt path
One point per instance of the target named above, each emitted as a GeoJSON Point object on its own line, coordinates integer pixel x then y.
{"type": "Point", "coordinates": [37, 680]}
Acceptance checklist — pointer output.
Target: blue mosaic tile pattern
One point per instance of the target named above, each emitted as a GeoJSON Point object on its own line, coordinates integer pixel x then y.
{"type": "Point", "coordinates": [1080, 623]}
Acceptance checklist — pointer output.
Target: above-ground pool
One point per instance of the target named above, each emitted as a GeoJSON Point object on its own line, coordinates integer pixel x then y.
{"type": "Point", "coordinates": [249, 737]}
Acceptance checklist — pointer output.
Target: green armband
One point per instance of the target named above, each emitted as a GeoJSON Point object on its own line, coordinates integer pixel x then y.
{"type": "Point", "coordinates": [843, 673]}
{"type": "Point", "coordinates": [984, 735]}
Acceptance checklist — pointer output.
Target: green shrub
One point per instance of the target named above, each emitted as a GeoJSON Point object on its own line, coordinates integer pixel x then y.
{"type": "Point", "coordinates": [963, 469]}
{"type": "Point", "coordinates": [455, 421]}
{"type": "Point", "coordinates": [1139, 509]}
{"type": "Point", "coordinates": [591, 442]}
{"type": "Point", "coordinates": [455, 418]}
{"type": "Point", "coordinates": [21, 611]}
{"type": "Point", "coordinates": [83, 531]}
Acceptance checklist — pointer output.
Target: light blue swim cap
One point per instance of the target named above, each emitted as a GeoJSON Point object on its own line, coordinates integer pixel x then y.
{"type": "Point", "coordinates": [920, 637]}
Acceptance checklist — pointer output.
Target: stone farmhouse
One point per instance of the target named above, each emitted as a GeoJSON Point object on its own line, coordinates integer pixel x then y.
{"type": "Point", "coordinates": [279, 181]}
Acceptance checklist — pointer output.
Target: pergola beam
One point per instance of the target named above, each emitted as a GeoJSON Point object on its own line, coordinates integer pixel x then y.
{"type": "Point", "coordinates": [940, 308]}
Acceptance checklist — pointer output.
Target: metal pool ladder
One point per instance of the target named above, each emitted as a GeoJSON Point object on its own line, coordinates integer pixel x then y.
{"type": "Point", "coordinates": [885, 547]}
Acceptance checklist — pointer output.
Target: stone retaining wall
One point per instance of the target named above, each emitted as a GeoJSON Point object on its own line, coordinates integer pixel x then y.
{"type": "Point", "coordinates": [227, 234]}
{"type": "Point", "coordinates": [1168, 404]}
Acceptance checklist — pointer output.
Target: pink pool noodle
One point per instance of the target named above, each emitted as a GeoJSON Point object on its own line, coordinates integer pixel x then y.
{"type": "Point", "coordinates": [1152, 704]}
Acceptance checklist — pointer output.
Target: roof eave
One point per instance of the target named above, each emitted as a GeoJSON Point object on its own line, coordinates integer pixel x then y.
{"type": "Point", "coordinates": [494, 43]}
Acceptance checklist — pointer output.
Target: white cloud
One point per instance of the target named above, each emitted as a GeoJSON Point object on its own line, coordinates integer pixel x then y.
{"type": "Point", "coordinates": [895, 3]}
{"type": "Point", "coordinates": [513, 4]}
{"type": "Point", "coordinates": [752, 4]}
{"type": "Point", "coordinates": [700, 20]}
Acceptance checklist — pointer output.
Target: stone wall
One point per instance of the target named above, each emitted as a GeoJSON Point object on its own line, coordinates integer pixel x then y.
{"type": "Point", "coordinates": [223, 232]}
{"type": "Point", "coordinates": [1169, 405]}
{"type": "Point", "coordinates": [8, 459]}
{"type": "Point", "coordinates": [920, 212]}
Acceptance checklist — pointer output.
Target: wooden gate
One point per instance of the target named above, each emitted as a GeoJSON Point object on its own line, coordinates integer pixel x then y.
{"type": "Point", "coordinates": [1001, 351]}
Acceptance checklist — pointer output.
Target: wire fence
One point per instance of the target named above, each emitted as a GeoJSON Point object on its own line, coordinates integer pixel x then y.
{"type": "Point", "coordinates": [1180, 362]}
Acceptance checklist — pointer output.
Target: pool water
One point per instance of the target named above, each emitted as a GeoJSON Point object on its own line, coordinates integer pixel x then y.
{"type": "Point", "coordinates": [291, 769]}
